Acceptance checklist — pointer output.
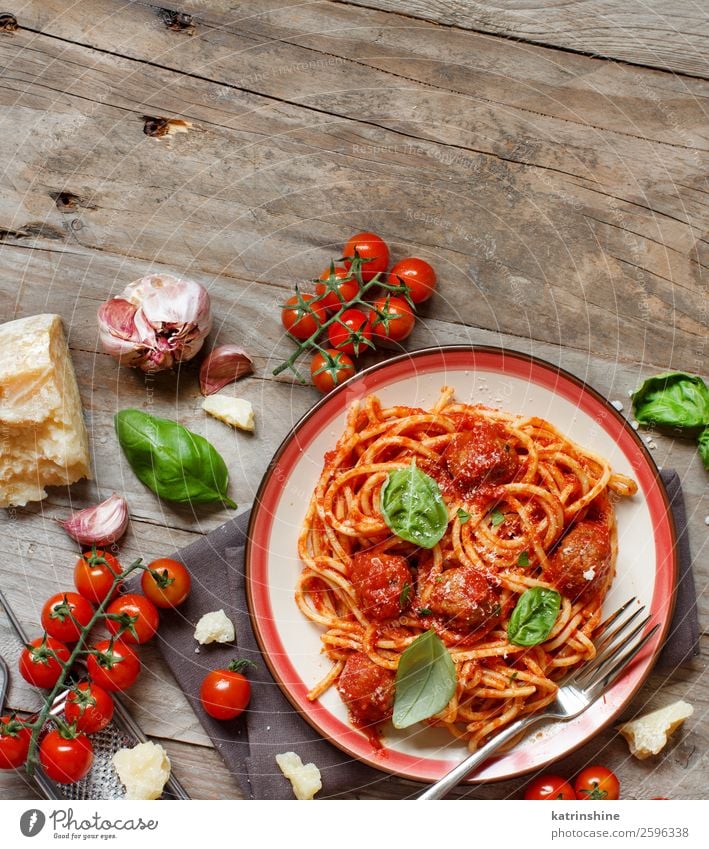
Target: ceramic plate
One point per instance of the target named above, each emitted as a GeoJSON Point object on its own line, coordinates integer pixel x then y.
{"type": "Point", "coordinates": [514, 382]}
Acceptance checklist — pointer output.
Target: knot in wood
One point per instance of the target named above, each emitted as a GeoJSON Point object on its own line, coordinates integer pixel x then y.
{"type": "Point", "coordinates": [8, 23]}
{"type": "Point", "coordinates": [177, 21]}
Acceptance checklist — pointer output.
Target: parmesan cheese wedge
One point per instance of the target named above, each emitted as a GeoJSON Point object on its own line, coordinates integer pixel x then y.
{"type": "Point", "coordinates": [305, 778]}
{"type": "Point", "coordinates": [232, 411]}
{"type": "Point", "coordinates": [648, 735]}
{"type": "Point", "coordinates": [43, 439]}
{"type": "Point", "coordinates": [144, 770]}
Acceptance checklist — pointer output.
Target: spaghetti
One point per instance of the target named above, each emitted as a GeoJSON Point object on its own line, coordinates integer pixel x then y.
{"type": "Point", "coordinates": [526, 508]}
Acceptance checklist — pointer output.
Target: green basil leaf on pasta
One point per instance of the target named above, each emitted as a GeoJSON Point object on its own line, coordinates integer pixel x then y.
{"type": "Point", "coordinates": [413, 507]}
{"type": "Point", "coordinates": [534, 616]}
{"type": "Point", "coordinates": [673, 399]}
{"type": "Point", "coordinates": [425, 680]}
{"type": "Point", "coordinates": [175, 463]}
{"type": "Point", "coordinates": [523, 559]}
{"type": "Point", "coordinates": [463, 516]}
{"type": "Point", "coordinates": [704, 447]}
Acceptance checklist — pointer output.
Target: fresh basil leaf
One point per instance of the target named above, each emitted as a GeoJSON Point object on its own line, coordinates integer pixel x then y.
{"type": "Point", "coordinates": [175, 463]}
{"type": "Point", "coordinates": [413, 507]}
{"type": "Point", "coordinates": [523, 559]}
{"type": "Point", "coordinates": [425, 680]}
{"type": "Point", "coordinates": [534, 616]}
{"type": "Point", "coordinates": [673, 399]}
{"type": "Point", "coordinates": [704, 447]}
{"type": "Point", "coordinates": [405, 594]}
{"type": "Point", "coordinates": [424, 611]}
{"type": "Point", "coordinates": [498, 517]}
{"type": "Point", "coordinates": [463, 516]}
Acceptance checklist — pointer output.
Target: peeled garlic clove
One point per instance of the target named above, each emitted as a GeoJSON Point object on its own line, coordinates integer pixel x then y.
{"type": "Point", "coordinates": [101, 525]}
{"type": "Point", "coordinates": [223, 365]}
{"type": "Point", "coordinates": [157, 322]}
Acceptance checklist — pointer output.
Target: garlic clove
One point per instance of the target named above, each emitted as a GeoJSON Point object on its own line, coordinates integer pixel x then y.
{"type": "Point", "coordinates": [223, 365]}
{"type": "Point", "coordinates": [100, 525]}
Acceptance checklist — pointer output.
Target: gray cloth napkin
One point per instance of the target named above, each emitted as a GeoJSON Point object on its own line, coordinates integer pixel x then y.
{"type": "Point", "coordinates": [250, 743]}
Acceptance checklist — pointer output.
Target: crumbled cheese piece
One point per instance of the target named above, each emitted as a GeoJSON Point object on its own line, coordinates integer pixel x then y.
{"type": "Point", "coordinates": [647, 735]}
{"type": "Point", "coordinates": [589, 574]}
{"type": "Point", "coordinates": [706, 520]}
{"type": "Point", "coordinates": [144, 770]}
{"type": "Point", "coordinates": [214, 627]}
{"type": "Point", "coordinates": [233, 411]}
{"type": "Point", "coordinates": [42, 431]}
{"type": "Point", "coordinates": [618, 405]}
{"type": "Point", "coordinates": [305, 778]}
{"type": "Point", "coordinates": [634, 425]}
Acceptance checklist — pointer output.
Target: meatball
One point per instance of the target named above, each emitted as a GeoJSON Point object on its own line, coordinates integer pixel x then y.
{"type": "Point", "coordinates": [380, 582]}
{"type": "Point", "coordinates": [479, 456]}
{"type": "Point", "coordinates": [466, 599]}
{"type": "Point", "coordinates": [581, 561]}
{"type": "Point", "coordinates": [367, 690]}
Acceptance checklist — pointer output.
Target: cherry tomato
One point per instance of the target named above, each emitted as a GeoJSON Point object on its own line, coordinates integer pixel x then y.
{"type": "Point", "coordinates": [330, 369]}
{"type": "Point", "coordinates": [351, 333]}
{"type": "Point", "coordinates": [367, 246]}
{"type": "Point", "coordinates": [139, 618]}
{"type": "Point", "coordinates": [15, 739]}
{"type": "Point", "coordinates": [65, 614]}
{"type": "Point", "coordinates": [399, 321]}
{"type": "Point", "coordinates": [65, 759]}
{"type": "Point", "coordinates": [39, 664]}
{"type": "Point", "coordinates": [115, 667]}
{"type": "Point", "coordinates": [597, 783]}
{"type": "Point", "coordinates": [302, 319]}
{"type": "Point", "coordinates": [549, 787]}
{"type": "Point", "coordinates": [335, 295]}
{"type": "Point", "coordinates": [166, 582]}
{"type": "Point", "coordinates": [89, 706]}
{"type": "Point", "coordinates": [225, 693]}
{"type": "Point", "coordinates": [418, 276]}
{"type": "Point", "coordinates": [94, 573]}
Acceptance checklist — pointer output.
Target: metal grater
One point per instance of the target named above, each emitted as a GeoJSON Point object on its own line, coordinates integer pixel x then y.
{"type": "Point", "coordinates": [102, 782]}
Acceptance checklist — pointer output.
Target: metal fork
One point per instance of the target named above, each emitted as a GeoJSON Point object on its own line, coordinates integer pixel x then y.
{"type": "Point", "coordinates": [614, 652]}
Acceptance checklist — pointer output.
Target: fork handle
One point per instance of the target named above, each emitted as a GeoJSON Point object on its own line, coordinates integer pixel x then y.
{"type": "Point", "coordinates": [458, 773]}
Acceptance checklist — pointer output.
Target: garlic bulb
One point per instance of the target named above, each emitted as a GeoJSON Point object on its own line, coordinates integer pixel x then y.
{"type": "Point", "coordinates": [157, 322]}
{"type": "Point", "coordinates": [223, 365]}
{"type": "Point", "coordinates": [100, 525]}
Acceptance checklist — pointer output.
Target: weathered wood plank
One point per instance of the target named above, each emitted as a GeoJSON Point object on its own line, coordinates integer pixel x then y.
{"type": "Point", "coordinates": [655, 33]}
{"type": "Point", "coordinates": [510, 202]}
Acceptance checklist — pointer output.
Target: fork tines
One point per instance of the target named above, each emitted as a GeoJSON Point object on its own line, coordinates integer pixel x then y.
{"type": "Point", "coordinates": [616, 649]}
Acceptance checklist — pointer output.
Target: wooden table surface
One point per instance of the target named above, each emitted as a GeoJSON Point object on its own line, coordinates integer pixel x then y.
{"type": "Point", "coordinates": [548, 159]}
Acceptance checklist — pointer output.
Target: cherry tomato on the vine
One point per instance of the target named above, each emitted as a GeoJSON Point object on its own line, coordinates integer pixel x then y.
{"type": "Point", "coordinates": [302, 315]}
{"type": "Point", "coordinates": [330, 369]}
{"type": "Point", "coordinates": [225, 693]}
{"type": "Point", "coordinates": [549, 787]}
{"type": "Point", "coordinates": [398, 322]}
{"type": "Point", "coordinates": [64, 615]}
{"type": "Point", "coordinates": [597, 783]}
{"type": "Point", "coordinates": [371, 247]}
{"type": "Point", "coordinates": [333, 294]}
{"type": "Point", "coordinates": [89, 706]}
{"type": "Point", "coordinates": [115, 666]}
{"type": "Point", "coordinates": [139, 618]}
{"type": "Point", "coordinates": [15, 739]}
{"type": "Point", "coordinates": [418, 276]}
{"type": "Point", "coordinates": [94, 574]}
{"type": "Point", "coordinates": [351, 333]}
{"type": "Point", "coordinates": [65, 758]}
{"type": "Point", "coordinates": [166, 582]}
{"type": "Point", "coordinates": [40, 663]}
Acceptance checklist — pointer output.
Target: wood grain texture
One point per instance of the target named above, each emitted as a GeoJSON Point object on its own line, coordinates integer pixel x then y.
{"type": "Point", "coordinates": [564, 197]}
{"type": "Point", "coordinates": [655, 33]}
{"type": "Point", "coordinates": [562, 200]}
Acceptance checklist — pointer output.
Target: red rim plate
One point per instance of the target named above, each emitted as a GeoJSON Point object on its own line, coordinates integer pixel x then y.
{"type": "Point", "coordinates": [448, 360]}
